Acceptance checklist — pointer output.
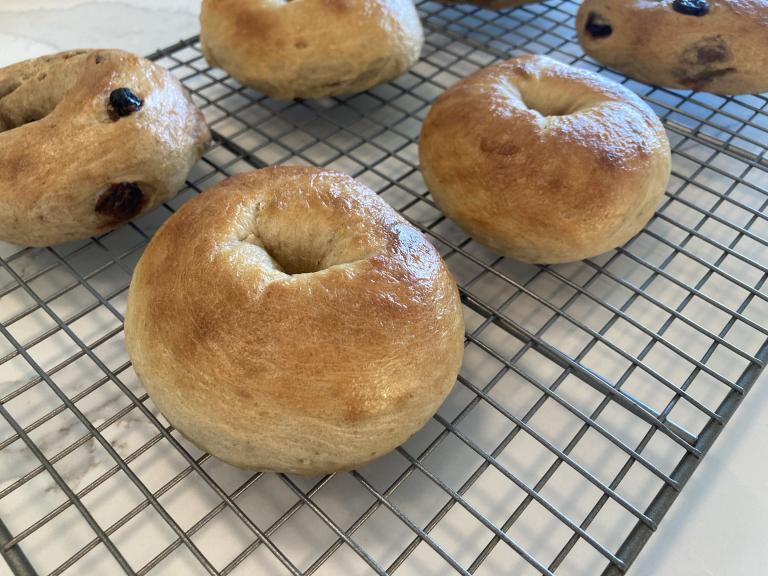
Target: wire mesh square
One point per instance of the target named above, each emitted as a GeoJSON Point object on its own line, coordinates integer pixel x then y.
{"type": "Point", "coordinates": [588, 394]}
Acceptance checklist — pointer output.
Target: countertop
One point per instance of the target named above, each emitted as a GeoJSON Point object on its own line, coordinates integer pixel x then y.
{"type": "Point", "coordinates": [717, 527]}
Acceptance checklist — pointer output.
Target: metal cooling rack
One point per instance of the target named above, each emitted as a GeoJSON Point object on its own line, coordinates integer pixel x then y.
{"type": "Point", "coordinates": [588, 395]}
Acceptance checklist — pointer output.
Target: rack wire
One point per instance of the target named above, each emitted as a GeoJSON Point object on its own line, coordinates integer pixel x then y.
{"type": "Point", "coordinates": [588, 395]}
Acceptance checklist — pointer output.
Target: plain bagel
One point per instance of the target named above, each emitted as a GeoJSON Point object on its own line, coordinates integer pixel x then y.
{"type": "Point", "coordinates": [90, 139]}
{"type": "Point", "coordinates": [544, 162]}
{"type": "Point", "coordinates": [311, 48]}
{"type": "Point", "coordinates": [290, 320]}
{"type": "Point", "coordinates": [719, 46]}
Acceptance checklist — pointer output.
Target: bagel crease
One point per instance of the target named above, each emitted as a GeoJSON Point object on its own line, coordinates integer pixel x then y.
{"type": "Point", "coordinates": [90, 139]}
{"type": "Point", "coordinates": [290, 320]}
{"type": "Point", "coordinates": [544, 162]}
{"type": "Point", "coordinates": [720, 46]}
{"type": "Point", "coordinates": [311, 48]}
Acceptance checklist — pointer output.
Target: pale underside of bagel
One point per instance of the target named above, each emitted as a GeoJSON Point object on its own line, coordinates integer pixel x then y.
{"type": "Point", "coordinates": [311, 48]}
{"type": "Point", "coordinates": [71, 166]}
{"type": "Point", "coordinates": [543, 162]}
{"type": "Point", "coordinates": [289, 320]}
{"type": "Point", "coordinates": [721, 48]}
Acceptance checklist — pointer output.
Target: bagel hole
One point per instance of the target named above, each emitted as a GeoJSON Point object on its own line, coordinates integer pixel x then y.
{"type": "Point", "coordinates": [308, 247]}
{"type": "Point", "coordinates": [293, 263]}
{"type": "Point", "coordinates": [34, 102]}
{"type": "Point", "coordinates": [549, 104]}
{"type": "Point", "coordinates": [298, 235]}
{"type": "Point", "coordinates": [12, 121]}
{"type": "Point", "coordinates": [288, 259]}
{"type": "Point", "coordinates": [7, 87]}
{"type": "Point", "coordinates": [534, 96]}
{"type": "Point", "coordinates": [26, 110]}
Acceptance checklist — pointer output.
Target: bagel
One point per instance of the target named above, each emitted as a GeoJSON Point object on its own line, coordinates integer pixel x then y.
{"type": "Point", "coordinates": [90, 139]}
{"type": "Point", "coordinates": [543, 162]}
{"type": "Point", "coordinates": [720, 46]}
{"type": "Point", "coordinates": [311, 48]}
{"type": "Point", "coordinates": [290, 320]}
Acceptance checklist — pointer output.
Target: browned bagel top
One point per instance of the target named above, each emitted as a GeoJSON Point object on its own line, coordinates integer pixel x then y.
{"type": "Point", "coordinates": [295, 295]}
{"type": "Point", "coordinates": [311, 48]}
{"type": "Point", "coordinates": [532, 152]}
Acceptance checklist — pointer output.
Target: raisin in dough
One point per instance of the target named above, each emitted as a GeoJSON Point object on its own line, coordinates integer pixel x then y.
{"type": "Point", "coordinates": [718, 46]}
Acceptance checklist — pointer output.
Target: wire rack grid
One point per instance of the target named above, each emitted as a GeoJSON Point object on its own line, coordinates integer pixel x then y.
{"type": "Point", "coordinates": [588, 394]}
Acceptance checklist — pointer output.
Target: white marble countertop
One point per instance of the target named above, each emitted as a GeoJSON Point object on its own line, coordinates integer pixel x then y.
{"type": "Point", "coordinates": [31, 28]}
{"type": "Point", "coordinates": [717, 527]}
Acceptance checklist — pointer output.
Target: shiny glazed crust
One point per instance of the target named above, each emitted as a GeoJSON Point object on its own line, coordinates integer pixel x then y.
{"type": "Point", "coordinates": [724, 51]}
{"type": "Point", "coordinates": [544, 162]}
{"type": "Point", "coordinates": [271, 368]}
{"type": "Point", "coordinates": [72, 168]}
{"type": "Point", "coordinates": [311, 48]}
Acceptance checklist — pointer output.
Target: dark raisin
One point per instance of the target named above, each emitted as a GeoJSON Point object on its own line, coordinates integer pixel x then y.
{"type": "Point", "coordinates": [711, 54]}
{"type": "Point", "coordinates": [99, 58]}
{"type": "Point", "coordinates": [124, 102]}
{"type": "Point", "coordinates": [691, 7]}
{"type": "Point", "coordinates": [598, 26]}
{"type": "Point", "coordinates": [121, 201]}
{"type": "Point", "coordinates": [706, 51]}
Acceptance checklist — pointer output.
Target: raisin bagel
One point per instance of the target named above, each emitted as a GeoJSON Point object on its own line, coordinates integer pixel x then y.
{"type": "Point", "coordinates": [720, 46]}
{"type": "Point", "coordinates": [90, 139]}
{"type": "Point", "coordinates": [543, 162]}
{"type": "Point", "coordinates": [290, 320]}
{"type": "Point", "coordinates": [311, 48]}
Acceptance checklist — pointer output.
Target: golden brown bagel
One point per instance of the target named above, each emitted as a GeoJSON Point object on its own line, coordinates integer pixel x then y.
{"type": "Point", "coordinates": [311, 48]}
{"type": "Point", "coordinates": [290, 320]}
{"type": "Point", "coordinates": [78, 155]}
{"type": "Point", "coordinates": [719, 46]}
{"type": "Point", "coordinates": [544, 162]}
